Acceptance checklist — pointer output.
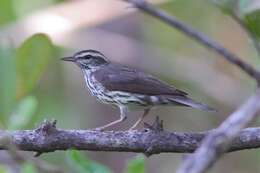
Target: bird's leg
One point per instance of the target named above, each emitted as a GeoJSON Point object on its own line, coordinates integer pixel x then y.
{"type": "Point", "coordinates": [146, 111]}
{"type": "Point", "coordinates": [123, 112]}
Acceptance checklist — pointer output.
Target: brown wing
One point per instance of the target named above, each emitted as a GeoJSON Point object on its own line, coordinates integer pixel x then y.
{"type": "Point", "coordinates": [116, 77]}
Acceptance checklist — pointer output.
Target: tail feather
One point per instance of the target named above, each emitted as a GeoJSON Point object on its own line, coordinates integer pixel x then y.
{"type": "Point", "coordinates": [185, 101]}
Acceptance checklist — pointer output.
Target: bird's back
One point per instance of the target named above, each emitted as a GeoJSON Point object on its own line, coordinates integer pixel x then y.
{"type": "Point", "coordinates": [116, 77]}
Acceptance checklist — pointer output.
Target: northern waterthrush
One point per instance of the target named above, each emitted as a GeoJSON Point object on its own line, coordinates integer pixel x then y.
{"type": "Point", "coordinates": [127, 87]}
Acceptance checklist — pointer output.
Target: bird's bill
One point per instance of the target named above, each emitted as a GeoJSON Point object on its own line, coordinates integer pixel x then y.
{"type": "Point", "coordinates": [68, 59]}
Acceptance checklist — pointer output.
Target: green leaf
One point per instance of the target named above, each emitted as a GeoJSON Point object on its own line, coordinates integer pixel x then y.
{"type": "Point", "coordinates": [23, 113]}
{"type": "Point", "coordinates": [136, 165]}
{"type": "Point", "coordinates": [7, 78]}
{"type": "Point", "coordinates": [28, 168]}
{"type": "Point", "coordinates": [32, 58]}
{"type": "Point", "coordinates": [252, 21]}
{"type": "Point", "coordinates": [250, 14]}
{"type": "Point", "coordinates": [82, 164]}
{"type": "Point", "coordinates": [7, 12]}
{"type": "Point", "coordinates": [247, 10]}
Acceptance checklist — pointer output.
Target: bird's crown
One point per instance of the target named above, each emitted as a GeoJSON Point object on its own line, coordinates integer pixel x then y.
{"type": "Point", "coordinates": [88, 59]}
{"type": "Point", "coordinates": [88, 54]}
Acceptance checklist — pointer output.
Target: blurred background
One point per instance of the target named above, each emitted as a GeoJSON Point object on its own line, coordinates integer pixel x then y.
{"type": "Point", "coordinates": [35, 85]}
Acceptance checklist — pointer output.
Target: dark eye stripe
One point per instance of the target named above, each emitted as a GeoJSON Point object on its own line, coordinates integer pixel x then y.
{"type": "Point", "coordinates": [84, 57]}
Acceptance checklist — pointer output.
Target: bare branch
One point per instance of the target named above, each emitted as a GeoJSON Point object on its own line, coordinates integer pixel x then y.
{"type": "Point", "coordinates": [48, 138]}
{"type": "Point", "coordinates": [218, 141]}
{"type": "Point", "coordinates": [201, 38]}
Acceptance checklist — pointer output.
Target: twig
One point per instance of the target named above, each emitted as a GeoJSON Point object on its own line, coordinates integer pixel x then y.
{"type": "Point", "coordinates": [218, 141]}
{"type": "Point", "coordinates": [201, 38]}
{"type": "Point", "coordinates": [149, 141]}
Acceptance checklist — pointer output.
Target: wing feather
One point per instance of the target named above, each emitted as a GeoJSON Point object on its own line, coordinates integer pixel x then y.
{"type": "Point", "coordinates": [117, 77]}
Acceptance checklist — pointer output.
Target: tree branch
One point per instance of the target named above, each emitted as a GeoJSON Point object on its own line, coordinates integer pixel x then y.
{"type": "Point", "coordinates": [48, 138]}
{"type": "Point", "coordinates": [218, 141]}
{"type": "Point", "coordinates": [201, 38]}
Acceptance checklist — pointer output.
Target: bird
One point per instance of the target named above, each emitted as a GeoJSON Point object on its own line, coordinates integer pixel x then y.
{"type": "Point", "coordinates": [128, 88]}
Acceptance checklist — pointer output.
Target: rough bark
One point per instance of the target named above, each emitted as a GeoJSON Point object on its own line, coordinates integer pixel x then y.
{"type": "Point", "coordinates": [151, 140]}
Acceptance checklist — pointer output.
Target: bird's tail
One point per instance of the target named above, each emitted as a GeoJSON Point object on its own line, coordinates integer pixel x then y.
{"type": "Point", "coordinates": [185, 101]}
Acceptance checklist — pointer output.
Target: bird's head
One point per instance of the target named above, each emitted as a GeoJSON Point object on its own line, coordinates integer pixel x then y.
{"type": "Point", "coordinates": [88, 59]}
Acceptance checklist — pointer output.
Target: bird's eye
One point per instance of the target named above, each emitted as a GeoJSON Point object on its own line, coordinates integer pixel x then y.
{"type": "Point", "coordinates": [88, 57]}
{"type": "Point", "coordinates": [79, 57]}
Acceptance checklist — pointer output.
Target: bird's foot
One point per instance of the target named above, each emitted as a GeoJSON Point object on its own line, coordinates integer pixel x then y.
{"type": "Point", "coordinates": [156, 126]}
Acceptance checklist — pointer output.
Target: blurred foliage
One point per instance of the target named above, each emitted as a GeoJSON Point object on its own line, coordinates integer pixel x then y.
{"type": "Point", "coordinates": [3, 169]}
{"type": "Point", "coordinates": [7, 12]}
{"type": "Point", "coordinates": [247, 10]}
{"type": "Point", "coordinates": [200, 10]}
{"type": "Point", "coordinates": [252, 21]}
{"type": "Point", "coordinates": [82, 164]}
{"type": "Point", "coordinates": [22, 7]}
{"type": "Point", "coordinates": [8, 81]}
{"type": "Point", "coordinates": [20, 71]}
{"type": "Point", "coordinates": [10, 10]}
{"type": "Point", "coordinates": [23, 113]}
{"type": "Point", "coordinates": [227, 6]}
{"type": "Point", "coordinates": [28, 168]}
{"type": "Point", "coordinates": [136, 165]}
{"type": "Point", "coordinates": [32, 58]}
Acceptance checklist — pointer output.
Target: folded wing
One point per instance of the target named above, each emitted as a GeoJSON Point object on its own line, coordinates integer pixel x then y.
{"type": "Point", "coordinates": [116, 77]}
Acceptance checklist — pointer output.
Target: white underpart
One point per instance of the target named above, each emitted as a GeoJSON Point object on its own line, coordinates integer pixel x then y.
{"type": "Point", "coordinates": [119, 97]}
